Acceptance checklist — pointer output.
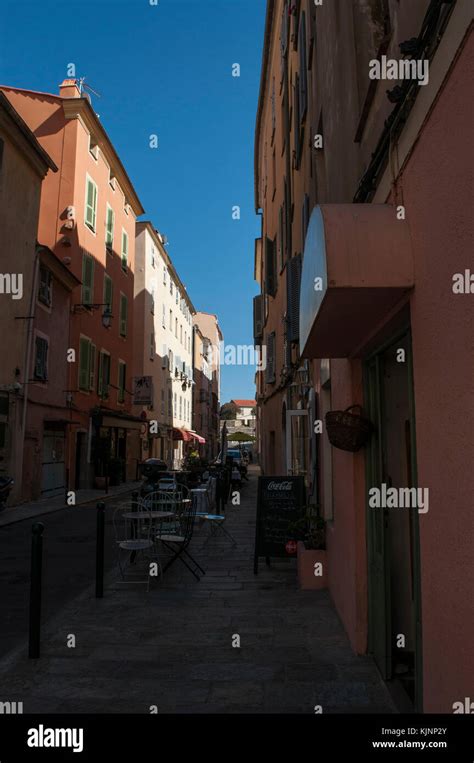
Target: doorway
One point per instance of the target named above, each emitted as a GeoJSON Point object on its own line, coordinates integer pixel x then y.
{"type": "Point", "coordinates": [393, 533]}
{"type": "Point", "coordinates": [297, 443]}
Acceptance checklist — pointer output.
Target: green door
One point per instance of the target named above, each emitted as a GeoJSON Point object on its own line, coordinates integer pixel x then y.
{"type": "Point", "coordinates": [378, 549]}
{"type": "Point", "coordinates": [393, 534]}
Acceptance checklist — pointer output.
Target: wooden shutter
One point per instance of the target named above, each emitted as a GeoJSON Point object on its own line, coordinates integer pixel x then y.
{"type": "Point", "coordinates": [122, 372]}
{"type": "Point", "coordinates": [87, 280]}
{"type": "Point", "coordinates": [270, 365]}
{"type": "Point", "coordinates": [91, 204]}
{"type": "Point", "coordinates": [108, 291]}
{"type": "Point", "coordinates": [297, 120]}
{"type": "Point", "coordinates": [92, 358]}
{"type": "Point", "coordinates": [123, 315]}
{"type": "Point", "coordinates": [270, 266]}
{"type": "Point", "coordinates": [258, 318]}
{"type": "Point", "coordinates": [293, 297]}
{"type": "Point", "coordinates": [109, 234]}
{"type": "Point", "coordinates": [124, 249]}
{"type": "Point", "coordinates": [41, 358]}
{"type": "Point", "coordinates": [303, 74]}
{"type": "Point", "coordinates": [304, 218]}
{"type": "Point", "coordinates": [100, 385]}
{"type": "Point", "coordinates": [84, 361]}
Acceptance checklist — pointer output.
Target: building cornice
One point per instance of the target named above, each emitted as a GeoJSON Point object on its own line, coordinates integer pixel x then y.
{"type": "Point", "coordinates": [80, 108]}
{"type": "Point", "coordinates": [261, 97]}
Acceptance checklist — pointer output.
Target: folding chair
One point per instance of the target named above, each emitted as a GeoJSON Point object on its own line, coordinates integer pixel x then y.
{"type": "Point", "coordinates": [133, 537]}
{"type": "Point", "coordinates": [176, 537]}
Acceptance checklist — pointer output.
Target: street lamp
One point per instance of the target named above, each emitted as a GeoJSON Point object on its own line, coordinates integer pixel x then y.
{"type": "Point", "coordinates": [106, 314]}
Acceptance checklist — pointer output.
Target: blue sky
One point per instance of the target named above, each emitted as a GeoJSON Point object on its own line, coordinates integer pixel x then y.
{"type": "Point", "coordinates": [167, 70]}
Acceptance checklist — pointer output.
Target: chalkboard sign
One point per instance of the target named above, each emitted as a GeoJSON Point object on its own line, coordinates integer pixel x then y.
{"type": "Point", "coordinates": [280, 503]}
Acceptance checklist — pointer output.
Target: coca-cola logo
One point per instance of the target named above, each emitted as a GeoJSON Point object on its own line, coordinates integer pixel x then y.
{"type": "Point", "coordinates": [279, 486]}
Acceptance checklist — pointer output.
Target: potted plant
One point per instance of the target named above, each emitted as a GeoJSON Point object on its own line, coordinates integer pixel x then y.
{"type": "Point", "coordinates": [311, 552]}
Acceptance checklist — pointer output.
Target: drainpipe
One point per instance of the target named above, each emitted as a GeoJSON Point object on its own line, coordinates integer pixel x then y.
{"type": "Point", "coordinates": [27, 360]}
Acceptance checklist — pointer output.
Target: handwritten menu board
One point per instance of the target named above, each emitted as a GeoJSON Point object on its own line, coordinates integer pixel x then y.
{"type": "Point", "coordinates": [280, 503]}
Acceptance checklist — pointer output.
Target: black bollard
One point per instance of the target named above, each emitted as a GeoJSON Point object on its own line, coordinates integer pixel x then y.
{"type": "Point", "coordinates": [35, 589]}
{"type": "Point", "coordinates": [99, 557]}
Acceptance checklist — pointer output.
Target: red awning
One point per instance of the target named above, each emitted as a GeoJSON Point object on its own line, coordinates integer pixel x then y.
{"type": "Point", "coordinates": [182, 434]}
{"type": "Point", "coordinates": [197, 437]}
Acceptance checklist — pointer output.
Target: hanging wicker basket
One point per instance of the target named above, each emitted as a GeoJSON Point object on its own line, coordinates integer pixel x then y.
{"type": "Point", "coordinates": [348, 431]}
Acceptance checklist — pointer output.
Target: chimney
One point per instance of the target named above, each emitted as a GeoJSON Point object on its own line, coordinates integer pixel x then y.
{"type": "Point", "coordinates": [69, 89]}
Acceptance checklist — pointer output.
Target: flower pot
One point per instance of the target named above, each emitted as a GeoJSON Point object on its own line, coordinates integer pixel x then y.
{"type": "Point", "coordinates": [312, 568]}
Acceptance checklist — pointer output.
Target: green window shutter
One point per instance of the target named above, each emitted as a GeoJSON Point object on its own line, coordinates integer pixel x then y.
{"type": "Point", "coordinates": [87, 280]}
{"type": "Point", "coordinates": [293, 283]}
{"type": "Point", "coordinates": [121, 382]}
{"type": "Point", "coordinates": [99, 375]}
{"type": "Point", "coordinates": [281, 239]}
{"type": "Point", "coordinates": [109, 233]}
{"type": "Point", "coordinates": [92, 359]}
{"type": "Point", "coordinates": [270, 266]}
{"type": "Point", "coordinates": [84, 364]}
{"type": "Point", "coordinates": [123, 315]}
{"type": "Point", "coordinates": [91, 204]}
{"type": "Point", "coordinates": [303, 75]}
{"type": "Point", "coordinates": [108, 291]}
{"type": "Point", "coordinates": [124, 249]}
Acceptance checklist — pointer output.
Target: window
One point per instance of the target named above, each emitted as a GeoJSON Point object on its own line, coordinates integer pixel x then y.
{"type": "Point", "coordinates": [91, 204]}
{"type": "Point", "coordinates": [45, 286]}
{"type": "Point", "coordinates": [175, 403]}
{"type": "Point", "coordinates": [152, 256]}
{"type": "Point", "coordinates": [163, 319]}
{"type": "Point", "coordinates": [124, 249]}
{"type": "Point", "coordinates": [152, 345]}
{"type": "Point", "coordinates": [270, 267]}
{"type": "Point", "coordinates": [281, 239]}
{"type": "Point", "coordinates": [270, 373]}
{"type": "Point", "coordinates": [152, 298]}
{"type": "Point", "coordinates": [170, 359]}
{"type": "Point", "coordinates": [108, 292]}
{"type": "Point", "coordinates": [176, 327]}
{"type": "Point", "coordinates": [171, 320]}
{"type": "Point", "coordinates": [41, 359]}
{"type": "Point", "coordinates": [170, 403]}
{"type": "Point", "coordinates": [87, 279]}
{"type": "Point", "coordinates": [104, 375]}
{"type": "Point", "coordinates": [177, 296]}
{"type": "Point", "coordinates": [303, 73]}
{"type": "Point", "coordinates": [93, 147]}
{"type": "Point", "coordinates": [181, 333]}
{"type": "Point", "coordinates": [87, 359]}
{"type": "Point", "coordinates": [123, 315]}
{"type": "Point", "coordinates": [273, 98]}
{"type": "Point", "coordinates": [274, 175]}
{"type": "Point", "coordinates": [122, 374]}
{"type": "Point", "coordinates": [164, 275]}
{"type": "Point", "coordinates": [109, 227]}
{"type": "Point", "coordinates": [171, 286]}
{"type": "Point", "coordinates": [180, 407]}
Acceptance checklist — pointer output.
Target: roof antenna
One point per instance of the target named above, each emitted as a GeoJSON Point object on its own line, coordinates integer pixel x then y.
{"type": "Point", "coordinates": [82, 85]}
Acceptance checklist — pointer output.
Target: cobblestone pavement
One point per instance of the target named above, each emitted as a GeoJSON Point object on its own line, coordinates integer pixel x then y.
{"type": "Point", "coordinates": [172, 647]}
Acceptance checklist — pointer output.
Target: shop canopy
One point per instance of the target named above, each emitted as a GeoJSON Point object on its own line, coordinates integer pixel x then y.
{"type": "Point", "coordinates": [187, 435]}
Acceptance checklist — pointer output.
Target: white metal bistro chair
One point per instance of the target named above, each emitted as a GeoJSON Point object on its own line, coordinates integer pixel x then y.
{"type": "Point", "coordinates": [205, 499]}
{"type": "Point", "coordinates": [175, 535]}
{"type": "Point", "coordinates": [135, 544]}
